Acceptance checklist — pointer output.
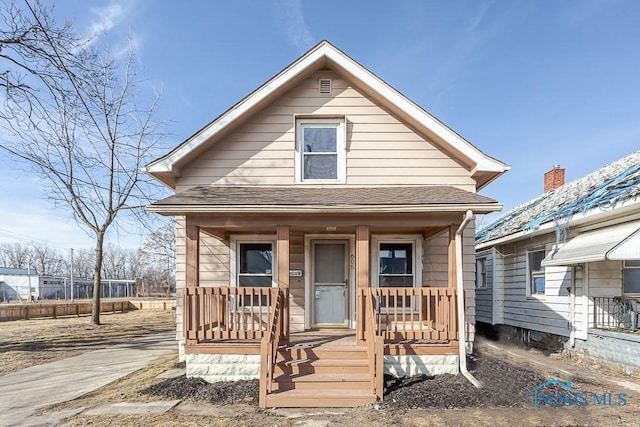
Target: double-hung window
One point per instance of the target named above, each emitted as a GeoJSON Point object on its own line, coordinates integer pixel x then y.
{"type": "Point", "coordinates": [535, 272]}
{"type": "Point", "coordinates": [481, 273]}
{"type": "Point", "coordinates": [254, 267]}
{"type": "Point", "coordinates": [320, 151]}
{"type": "Point", "coordinates": [397, 268]}
{"type": "Point", "coordinates": [631, 277]}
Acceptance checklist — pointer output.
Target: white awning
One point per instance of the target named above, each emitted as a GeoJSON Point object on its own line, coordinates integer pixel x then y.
{"type": "Point", "coordinates": [618, 242]}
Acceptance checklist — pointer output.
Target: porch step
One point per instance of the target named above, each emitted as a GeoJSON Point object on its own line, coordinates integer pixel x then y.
{"type": "Point", "coordinates": [321, 376]}
{"type": "Point", "coordinates": [314, 398]}
{"type": "Point", "coordinates": [323, 381]}
{"type": "Point", "coordinates": [308, 366]}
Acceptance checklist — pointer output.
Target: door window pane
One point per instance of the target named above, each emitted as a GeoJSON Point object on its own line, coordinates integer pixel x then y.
{"type": "Point", "coordinates": [330, 263]}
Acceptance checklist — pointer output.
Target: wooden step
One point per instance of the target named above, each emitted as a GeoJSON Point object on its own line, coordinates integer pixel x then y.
{"type": "Point", "coordinates": [315, 353]}
{"type": "Point", "coordinates": [323, 381]}
{"type": "Point", "coordinates": [306, 366]}
{"type": "Point", "coordinates": [326, 398]}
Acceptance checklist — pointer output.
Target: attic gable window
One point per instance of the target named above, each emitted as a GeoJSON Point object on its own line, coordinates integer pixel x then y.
{"type": "Point", "coordinates": [320, 151]}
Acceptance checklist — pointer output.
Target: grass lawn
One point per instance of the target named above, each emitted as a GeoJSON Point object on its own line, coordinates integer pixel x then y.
{"type": "Point", "coordinates": [25, 343]}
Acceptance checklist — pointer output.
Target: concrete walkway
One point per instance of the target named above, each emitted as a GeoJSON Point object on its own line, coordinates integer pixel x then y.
{"type": "Point", "coordinates": [23, 392]}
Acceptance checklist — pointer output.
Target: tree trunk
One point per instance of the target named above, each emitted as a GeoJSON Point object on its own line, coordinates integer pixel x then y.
{"type": "Point", "coordinates": [97, 278]}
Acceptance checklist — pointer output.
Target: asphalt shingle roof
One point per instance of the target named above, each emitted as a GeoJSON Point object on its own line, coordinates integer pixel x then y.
{"type": "Point", "coordinates": [324, 196]}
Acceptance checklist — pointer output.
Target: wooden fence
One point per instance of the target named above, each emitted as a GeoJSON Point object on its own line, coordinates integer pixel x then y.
{"type": "Point", "coordinates": [37, 310]}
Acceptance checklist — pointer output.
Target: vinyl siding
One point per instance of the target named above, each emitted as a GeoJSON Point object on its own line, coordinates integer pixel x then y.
{"type": "Point", "coordinates": [484, 296]}
{"type": "Point", "coordinates": [547, 313]}
{"type": "Point", "coordinates": [605, 280]}
{"type": "Point", "coordinates": [380, 149]}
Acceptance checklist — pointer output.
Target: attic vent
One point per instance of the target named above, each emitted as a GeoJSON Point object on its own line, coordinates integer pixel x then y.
{"type": "Point", "coordinates": [325, 86]}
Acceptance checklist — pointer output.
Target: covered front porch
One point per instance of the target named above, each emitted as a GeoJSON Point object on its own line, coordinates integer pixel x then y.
{"type": "Point", "coordinates": [377, 324]}
{"type": "Point", "coordinates": [266, 268]}
{"type": "Point", "coordinates": [329, 269]}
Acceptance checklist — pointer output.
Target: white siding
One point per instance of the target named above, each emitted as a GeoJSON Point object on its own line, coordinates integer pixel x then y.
{"type": "Point", "coordinates": [548, 313]}
{"type": "Point", "coordinates": [604, 280]}
{"type": "Point", "coordinates": [484, 296]}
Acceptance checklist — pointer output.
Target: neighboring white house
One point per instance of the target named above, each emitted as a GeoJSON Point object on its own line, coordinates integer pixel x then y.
{"type": "Point", "coordinates": [565, 266]}
{"type": "Point", "coordinates": [18, 283]}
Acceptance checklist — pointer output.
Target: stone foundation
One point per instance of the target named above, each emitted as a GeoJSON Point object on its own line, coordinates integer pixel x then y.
{"type": "Point", "coordinates": [617, 350]}
{"type": "Point", "coordinates": [233, 367]}
{"type": "Point", "coordinates": [410, 365]}
{"type": "Point", "coordinates": [223, 367]}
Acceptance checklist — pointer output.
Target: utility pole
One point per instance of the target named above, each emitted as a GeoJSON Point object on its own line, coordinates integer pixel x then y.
{"type": "Point", "coordinates": [71, 274]}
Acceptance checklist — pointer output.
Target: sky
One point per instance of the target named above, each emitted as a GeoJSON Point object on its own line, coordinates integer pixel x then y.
{"type": "Point", "coordinates": [531, 83]}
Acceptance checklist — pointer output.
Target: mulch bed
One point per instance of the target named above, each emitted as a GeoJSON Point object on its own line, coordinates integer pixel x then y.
{"type": "Point", "coordinates": [504, 385]}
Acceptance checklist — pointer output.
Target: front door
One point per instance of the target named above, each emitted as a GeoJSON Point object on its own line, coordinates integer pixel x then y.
{"type": "Point", "coordinates": [330, 285]}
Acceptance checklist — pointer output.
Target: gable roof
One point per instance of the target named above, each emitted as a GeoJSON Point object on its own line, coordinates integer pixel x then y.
{"type": "Point", "coordinates": [428, 198]}
{"type": "Point", "coordinates": [608, 186]}
{"type": "Point", "coordinates": [484, 168]}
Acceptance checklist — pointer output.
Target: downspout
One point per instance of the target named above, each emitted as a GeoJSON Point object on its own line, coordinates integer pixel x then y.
{"type": "Point", "coordinates": [462, 330]}
{"type": "Point", "coordinates": [572, 309]}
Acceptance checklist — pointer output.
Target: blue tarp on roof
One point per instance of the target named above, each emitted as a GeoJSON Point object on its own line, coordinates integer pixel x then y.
{"type": "Point", "coordinates": [603, 188]}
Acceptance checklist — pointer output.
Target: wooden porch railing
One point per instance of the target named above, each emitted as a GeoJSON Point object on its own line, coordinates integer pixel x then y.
{"type": "Point", "coordinates": [227, 313]}
{"type": "Point", "coordinates": [375, 350]}
{"type": "Point", "coordinates": [269, 349]}
{"type": "Point", "coordinates": [411, 313]}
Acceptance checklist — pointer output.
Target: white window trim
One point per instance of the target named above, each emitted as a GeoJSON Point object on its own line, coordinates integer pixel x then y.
{"type": "Point", "coordinates": [416, 239]}
{"type": "Point", "coordinates": [530, 293]}
{"type": "Point", "coordinates": [339, 123]}
{"type": "Point", "coordinates": [479, 276]}
{"type": "Point", "coordinates": [234, 254]}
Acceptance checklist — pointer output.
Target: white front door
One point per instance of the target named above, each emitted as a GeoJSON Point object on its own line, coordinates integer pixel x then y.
{"type": "Point", "coordinates": [330, 290]}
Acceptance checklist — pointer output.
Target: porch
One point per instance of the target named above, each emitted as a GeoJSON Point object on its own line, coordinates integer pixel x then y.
{"type": "Point", "coordinates": [322, 367]}
{"type": "Point", "coordinates": [270, 285]}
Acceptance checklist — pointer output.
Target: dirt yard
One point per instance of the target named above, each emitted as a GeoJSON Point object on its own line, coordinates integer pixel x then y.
{"type": "Point", "coordinates": [509, 374]}
{"type": "Point", "coordinates": [25, 343]}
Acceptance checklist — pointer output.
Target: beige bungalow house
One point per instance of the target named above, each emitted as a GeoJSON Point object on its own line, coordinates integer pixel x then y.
{"type": "Point", "coordinates": [325, 237]}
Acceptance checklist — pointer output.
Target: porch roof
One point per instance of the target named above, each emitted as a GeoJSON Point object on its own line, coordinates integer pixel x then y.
{"type": "Point", "coordinates": [304, 199]}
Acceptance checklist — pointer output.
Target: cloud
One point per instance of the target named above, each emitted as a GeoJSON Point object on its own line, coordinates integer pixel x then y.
{"type": "Point", "coordinates": [108, 17]}
{"type": "Point", "coordinates": [294, 25]}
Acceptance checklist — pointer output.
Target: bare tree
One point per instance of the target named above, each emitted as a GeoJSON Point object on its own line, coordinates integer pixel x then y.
{"type": "Point", "coordinates": [16, 255]}
{"type": "Point", "coordinates": [117, 263]}
{"type": "Point", "coordinates": [76, 116]}
{"type": "Point", "coordinates": [158, 255]}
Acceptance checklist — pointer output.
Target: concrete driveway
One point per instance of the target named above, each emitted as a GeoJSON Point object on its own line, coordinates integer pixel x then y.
{"type": "Point", "coordinates": [23, 392]}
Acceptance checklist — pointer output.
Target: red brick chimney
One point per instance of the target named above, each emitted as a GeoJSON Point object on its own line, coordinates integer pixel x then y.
{"type": "Point", "coordinates": [554, 178]}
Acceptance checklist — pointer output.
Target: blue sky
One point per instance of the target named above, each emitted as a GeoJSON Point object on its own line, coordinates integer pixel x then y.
{"type": "Point", "coordinates": [531, 83]}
